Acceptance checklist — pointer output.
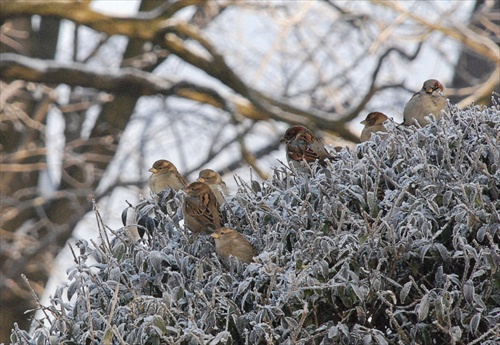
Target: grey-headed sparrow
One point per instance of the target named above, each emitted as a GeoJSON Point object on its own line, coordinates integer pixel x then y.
{"type": "Point", "coordinates": [373, 124]}
{"type": "Point", "coordinates": [429, 100]}
{"type": "Point", "coordinates": [214, 181]}
{"type": "Point", "coordinates": [201, 209]}
{"type": "Point", "coordinates": [231, 242]}
{"type": "Point", "coordinates": [165, 175]}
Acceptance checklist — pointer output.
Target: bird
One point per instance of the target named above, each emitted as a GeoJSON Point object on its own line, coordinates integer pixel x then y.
{"type": "Point", "coordinates": [214, 181]}
{"type": "Point", "coordinates": [303, 146]}
{"type": "Point", "coordinates": [201, 209]}
{"type": "Point", "coordinates": [165, 175]}
{"type": "Point", "coordinates": [373, 123]}
{"type": "Point", "coordinates": [230, 242]}
{"type": "Point", "coordinates": [429, 100]}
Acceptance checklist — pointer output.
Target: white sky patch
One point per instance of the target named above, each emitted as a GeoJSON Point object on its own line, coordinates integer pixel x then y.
{"type": "Point", "coordinates": [116, 7]}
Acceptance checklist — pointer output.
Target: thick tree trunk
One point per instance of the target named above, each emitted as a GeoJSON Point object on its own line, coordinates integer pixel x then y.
{"type": "Point", "coordinates": [15, 298]}
{"type": "Point", "coordinates": [473, 68]}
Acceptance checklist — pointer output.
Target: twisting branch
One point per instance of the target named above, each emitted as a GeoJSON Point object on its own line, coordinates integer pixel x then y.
{"type": "Point", "coordinates": [463, 34]}
{"type": "Point", "coordinates": [135, 82]}
{"type": "Point", "coordinates": [144, 26]}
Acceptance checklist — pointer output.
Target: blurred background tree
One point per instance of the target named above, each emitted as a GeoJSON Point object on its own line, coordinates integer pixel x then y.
{"type": "Point", "coordinates": [91, 97]}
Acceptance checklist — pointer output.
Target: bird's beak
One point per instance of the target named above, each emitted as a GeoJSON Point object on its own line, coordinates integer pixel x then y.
{"type": "Point", "coordinates": [215, 235]}
{"type": "Point", "coordinates": [429, 90]}
{"type": "Point", "coordinates": [201, 179]}
{"type": "Point", "coordinates": [363, 122]}
{"type": "Point", "coordinates": [153, 170]}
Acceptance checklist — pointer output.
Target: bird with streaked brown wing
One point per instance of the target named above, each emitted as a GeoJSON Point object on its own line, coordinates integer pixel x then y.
{"type": "Point", "coordinates": [201, 209]}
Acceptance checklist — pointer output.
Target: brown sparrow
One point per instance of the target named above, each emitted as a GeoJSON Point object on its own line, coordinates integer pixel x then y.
{"type": "Point", "coordinates": [165, 175]}
{"type": "Point", "coordinates": [429, 100]}
{"type": "Point", "coordinates": [201, 209]}
{"type": "Point", "coordinates": [231, 242]}
{"type": "Point", "coordinates": [215, 183]}
{"type": "Point", "coordinates": [302, 145]}
{"type": "Point", "coordinates": [373, 124]}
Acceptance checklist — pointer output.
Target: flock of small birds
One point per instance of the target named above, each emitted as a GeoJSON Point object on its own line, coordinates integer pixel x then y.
{"type": "Point", "coordinates": [201, 208]}
{"type": "Point", "coordinates": [429, 100]}
{"type": "Point", "coordinates": [201, 205]}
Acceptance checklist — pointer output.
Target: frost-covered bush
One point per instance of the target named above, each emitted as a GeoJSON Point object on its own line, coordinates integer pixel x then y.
{"type": "Point", "coordinates": [395, 243]}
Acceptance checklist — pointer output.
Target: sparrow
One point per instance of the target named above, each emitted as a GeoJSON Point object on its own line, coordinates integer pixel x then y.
{"type": "Point", "coordinates": [302, 145]}
{"type": "Point", "coordinates": [373, 124]}
{"type": "Point", "coordinates": [165, 175]}
{"type": "Point", "coordinates": [201, 209]}
{"type": "Point", "coordinates": [231, 242]}
{"type": "Point", "coordinates": [429, 100]}
{"type": "Point", "coordinates": [215, 183]}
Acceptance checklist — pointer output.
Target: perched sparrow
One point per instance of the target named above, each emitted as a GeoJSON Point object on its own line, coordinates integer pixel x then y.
{"type": "Point", "coordinates": [165, 175]}
{"type": "Point", "coordinates": [201, 209]}
{"type": "Point", "coordinates": [373, 124]}
{"type": "Point", "coordinates": [429, 100]}
{"type": "Point", "coordinates": [302, 145]}
{"type": "Point", "coordinates": [231, 242]}
{"type": "Point", "coordinates": [215, 183]}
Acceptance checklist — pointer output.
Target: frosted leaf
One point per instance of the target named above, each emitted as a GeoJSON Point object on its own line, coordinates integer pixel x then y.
{"type": "Point", "coordinates": [222, 337]}
{"type": "Point", "coordinates": [423, 307]}
{"type": "Point", "coordinates": [456, 333]}
{"type": "Point", "coordinates": [405, 291]}
{"type": "Point", "coordinates": [474, 323]}
{"type": "Point", "coordinates": [380, 339]}
{"type": "Point", "coordinates": [468, 289]}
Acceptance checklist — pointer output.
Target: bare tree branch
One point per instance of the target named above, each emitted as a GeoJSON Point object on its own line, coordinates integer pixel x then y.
{"type": "Point", "coordinates": [143, 26]}
{"type": "Point", "coordinates": [138, 83]}
{"type": "Point", "coordinates": [462, 33]}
